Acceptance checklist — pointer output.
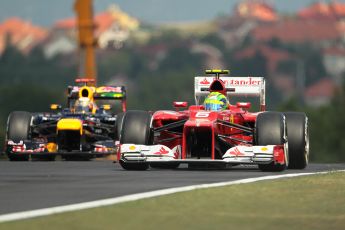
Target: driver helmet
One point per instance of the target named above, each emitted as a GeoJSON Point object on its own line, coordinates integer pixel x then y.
{"type": "Point", "coordinates": [216, 101]}
{"type": "Point", "coordinates": [83, 105]}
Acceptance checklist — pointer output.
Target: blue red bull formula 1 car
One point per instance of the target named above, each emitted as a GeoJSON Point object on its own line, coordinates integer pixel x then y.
{"type": "Point", "coordinates": [83, 130]}
{"type": "Point", "coordinates": [214, 132]}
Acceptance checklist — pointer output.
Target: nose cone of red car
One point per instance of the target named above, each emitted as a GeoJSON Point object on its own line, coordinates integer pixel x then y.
{"type": "Point", "coordinates": [201, 118]}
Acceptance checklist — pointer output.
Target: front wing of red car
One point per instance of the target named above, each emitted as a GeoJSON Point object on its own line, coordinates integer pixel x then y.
{"type": "Point", "coordinates": [240, 154]}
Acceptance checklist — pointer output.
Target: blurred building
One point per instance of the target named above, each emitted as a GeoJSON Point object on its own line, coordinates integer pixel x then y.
{"type": "Point", "coordinates": [246, 16]}
{"type": "Point", "coordinates": [321, 10]}
{"type": "Point", "coordinates": [334, 61]}
{"type": "Point", "coordinates": [62, 38]}
{"type": "Point", "coordinates": [21, 34]}
{"type": "Point", "coordinates": [298, 31]}
{"type": "Point", "coordinates": [321, 24]}
{"type": "Point", "coordinates": [272, 55]}
{"type": "Point", "coordinates": [113, 28]}
{"type": "Point", "coordinates": [255, 10]}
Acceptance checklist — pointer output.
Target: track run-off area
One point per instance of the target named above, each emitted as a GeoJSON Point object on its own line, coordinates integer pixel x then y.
{"type": "Point", "coordinates": [26, 186]}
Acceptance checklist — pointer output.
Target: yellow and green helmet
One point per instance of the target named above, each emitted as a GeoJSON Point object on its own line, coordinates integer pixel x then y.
{"type": "Point", "coordinates": [215, 101]}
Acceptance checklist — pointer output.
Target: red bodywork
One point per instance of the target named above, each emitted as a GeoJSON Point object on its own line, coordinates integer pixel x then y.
{"type": "Point", "coordinates": [198, 134]}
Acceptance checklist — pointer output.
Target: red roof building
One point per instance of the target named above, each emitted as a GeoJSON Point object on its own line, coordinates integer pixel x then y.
{"type": "Point", "coordinates": [103, 21]}
{"type": "Point", "coordinates": [112, 27]}
{"type": "Point", "coordinates": [21, 34]}
{"type": "Point", "coordinates": [321, 10]}
{"type": "Point", "coordinates": [257, 10]}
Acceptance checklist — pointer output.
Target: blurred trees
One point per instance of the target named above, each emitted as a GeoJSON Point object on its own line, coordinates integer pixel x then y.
{"type": "Point", "coordinates": [30, 83]}
{"type": "Point", "coordinates": [326, 124]}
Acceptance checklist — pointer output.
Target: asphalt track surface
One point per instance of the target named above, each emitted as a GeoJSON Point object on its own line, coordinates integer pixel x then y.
{"type": "Point", "coordinates": [34, 185]}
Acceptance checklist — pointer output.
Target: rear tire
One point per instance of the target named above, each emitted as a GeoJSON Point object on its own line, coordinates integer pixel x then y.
{"type": "Point", "coordinates": [270, 129]}
{"type": "Point", "coordinates": [298, 136]}
{"type": "Point", "coordinates": [136, 129]}
{"type": "Point", "coordinates": [18, 129]}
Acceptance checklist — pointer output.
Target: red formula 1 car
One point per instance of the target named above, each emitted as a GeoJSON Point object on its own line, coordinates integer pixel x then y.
{"type": "Point", "coordinates": [206, 136]}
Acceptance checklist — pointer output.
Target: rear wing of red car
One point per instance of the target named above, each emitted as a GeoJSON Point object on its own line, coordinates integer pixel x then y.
{"type": "Point", "coordinates": [235, 86]}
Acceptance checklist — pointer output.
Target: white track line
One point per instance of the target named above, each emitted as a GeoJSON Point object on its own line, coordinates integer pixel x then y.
{"type": "Point", "coordinates": [138, 196]}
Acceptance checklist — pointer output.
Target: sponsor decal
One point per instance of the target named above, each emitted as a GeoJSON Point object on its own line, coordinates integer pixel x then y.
{"type": "Point", "coordinates": [10, 142]}
{"type": "Point", "coordinates": [264, 149]}
{"type": "Point", "coordinates": [232, 118]}
{"type": "Point", "coordinates": [132, 147]}
{"type": "Point", "coordinates": [23, 149]}
{"type": "Point", "coordinates": [51, 147]}
{"type": "Point", "coordinates": [204, 82]}
{"type": "Point", "coordinates": [177, 153]}
{"type": "Point", "coordinates": [101, 149]}
{"type": "Point", "coordinates": [162, 151]}
{"type": "Point", "coordinates": [243, 82]}
{"type": "Point", "coordinates": [75, 89]}
{"type": "Point", "coordinates": [278, 154]}
{"type": "Point", "coordinates": [236, 152]}
{"type": "Point", "coordinates": [202, 114]}
{"type": "Point", "coordinates": [108, 89]}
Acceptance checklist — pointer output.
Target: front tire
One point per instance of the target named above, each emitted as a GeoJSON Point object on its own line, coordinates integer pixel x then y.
{"type": "Point", "coordinates": [298, 136]}
{"type": "Point", "coordinates": [18, 129]}
{"type": "Point", "coordinates": [270, 129]}
{"type": "Point", "coordinates": [136, 129]}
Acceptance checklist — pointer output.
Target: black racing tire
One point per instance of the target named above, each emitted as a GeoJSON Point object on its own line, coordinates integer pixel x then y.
{"type": "Point", "coordinates": [118, 125]}
{"type": "Point", "coordinates": [18, 129]}
{"type": "Point", "coordinates": [298, 136]}
{"type": "Point", "coordinates": [136, 129]}
{"type": "Point", "coordinates": [134, 166]}
{"type": "Point", "coordinates": [270, 129]}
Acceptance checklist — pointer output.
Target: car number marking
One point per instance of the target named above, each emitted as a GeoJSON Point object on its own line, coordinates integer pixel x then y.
{"type": "Point", "coordinates": [202, 114]}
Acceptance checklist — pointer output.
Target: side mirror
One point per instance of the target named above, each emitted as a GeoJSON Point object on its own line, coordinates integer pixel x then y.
{"type": "Point", "coordinates": [243, 105]}
{"type": "Point", "coordinates": [180, 104]}
{"type": "Point", "coordinates": [55, 107]}
{"type": "Point", "coordinates": [106, 107]}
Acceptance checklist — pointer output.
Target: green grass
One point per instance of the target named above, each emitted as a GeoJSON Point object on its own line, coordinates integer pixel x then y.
{"type": "Point", "coordinates": [311, 202]}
